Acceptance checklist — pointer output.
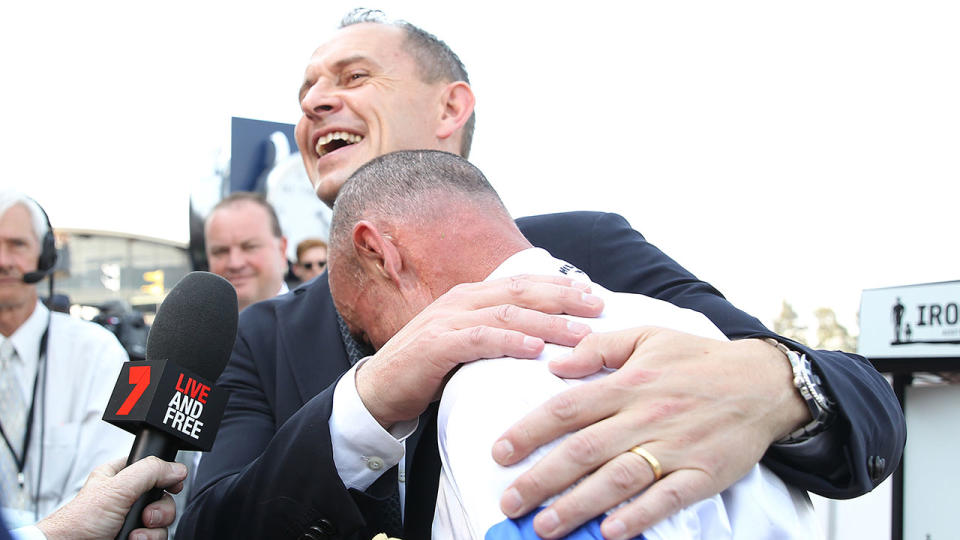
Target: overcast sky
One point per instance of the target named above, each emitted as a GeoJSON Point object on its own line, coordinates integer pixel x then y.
{"type": "Point", "coordinates": [801, 151]}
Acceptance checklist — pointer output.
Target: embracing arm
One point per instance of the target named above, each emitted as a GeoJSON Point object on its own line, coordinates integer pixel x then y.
{"type": "Point", "coordinates": [750, 379]}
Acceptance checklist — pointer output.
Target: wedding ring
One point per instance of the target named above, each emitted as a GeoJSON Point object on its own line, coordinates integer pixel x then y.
{"type": "Point", "coordinates": [652, 461]}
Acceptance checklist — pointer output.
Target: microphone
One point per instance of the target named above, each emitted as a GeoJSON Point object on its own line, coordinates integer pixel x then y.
{"type": "Point", "coordinates": [34, 277]}
{"type": "Point", "coordinates": [168, 400]}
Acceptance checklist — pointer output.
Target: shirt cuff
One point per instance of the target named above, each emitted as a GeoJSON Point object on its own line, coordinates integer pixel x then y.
{"type": "Point", "coordinates": [28, 533]}
{"type": "Point", "coordinates": [362, 449]}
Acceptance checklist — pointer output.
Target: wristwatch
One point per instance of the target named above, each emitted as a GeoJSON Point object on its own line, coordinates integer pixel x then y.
{"type": "Point", "coordinates": [822, 408]}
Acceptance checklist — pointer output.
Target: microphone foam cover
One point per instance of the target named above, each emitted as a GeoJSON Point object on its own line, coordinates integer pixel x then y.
{"type": "Point", "coordinates": [196, 325]}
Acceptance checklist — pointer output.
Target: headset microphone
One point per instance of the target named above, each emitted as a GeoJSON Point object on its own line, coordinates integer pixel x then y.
{"type": "Point", "coordinates": [35, 277]}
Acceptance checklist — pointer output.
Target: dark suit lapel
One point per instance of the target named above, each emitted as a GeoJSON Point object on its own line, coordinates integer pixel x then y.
{"type": "Point", "coordinates": [423, 474]}
{"type": "Point", "coordinates": [310, 345]}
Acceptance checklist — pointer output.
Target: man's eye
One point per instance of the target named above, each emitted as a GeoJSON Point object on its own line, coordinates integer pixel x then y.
{"type": "Point", "coordinates": [356, 76]}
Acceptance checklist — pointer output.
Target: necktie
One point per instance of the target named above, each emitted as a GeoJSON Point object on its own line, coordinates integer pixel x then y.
{"type": "Point", "coordinates": [13, 418]}
{"type": "Point", "coordinates": [391, 517]}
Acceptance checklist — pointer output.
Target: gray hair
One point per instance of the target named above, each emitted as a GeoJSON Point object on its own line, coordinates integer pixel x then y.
{"type": "Point", "coordinates": [38, 219]}
{"type": "Point", "coordinates": [406, 186]}
{"type": "Point", "coordinates": [435, 59]}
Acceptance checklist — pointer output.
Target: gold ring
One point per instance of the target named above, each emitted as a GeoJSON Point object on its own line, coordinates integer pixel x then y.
{"type": "Point", "coordinates": [652, 461]}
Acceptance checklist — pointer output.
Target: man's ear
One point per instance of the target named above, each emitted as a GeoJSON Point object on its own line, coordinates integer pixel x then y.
{"type": "Point", "coordinates": [283, 254]}
{"type": "Point", "coordinates": [377, 254]}
{"type": "Point", "coordinates": [457, 102]}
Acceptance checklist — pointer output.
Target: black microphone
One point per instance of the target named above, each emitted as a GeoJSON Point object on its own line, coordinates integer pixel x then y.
{"type": "Point", "coordinates": [168, 400]}
{"type": "Point", "coordinates": [34, 277]}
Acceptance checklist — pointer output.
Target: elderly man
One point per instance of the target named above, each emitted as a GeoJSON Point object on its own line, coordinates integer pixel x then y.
{"type": "Point", "coordinates": [56, 376]}
{"type": "Point", "coordinates": [378, 87]}
{"type": "Point", "coordinates": [244, 244]}
{"type": "Point", "coordinates": [385, 255]}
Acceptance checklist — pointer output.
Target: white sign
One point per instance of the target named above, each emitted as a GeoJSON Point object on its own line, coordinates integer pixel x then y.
{"type": "Point", "coordinates": [914, 321]}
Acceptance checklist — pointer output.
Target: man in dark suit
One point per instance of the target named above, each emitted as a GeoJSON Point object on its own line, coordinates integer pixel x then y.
{"type": "Point", "coordinates": [275, 472]}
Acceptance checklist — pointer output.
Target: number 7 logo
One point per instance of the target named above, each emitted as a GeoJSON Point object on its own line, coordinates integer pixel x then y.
{"type": "Point", "coordinates": [140, 379]}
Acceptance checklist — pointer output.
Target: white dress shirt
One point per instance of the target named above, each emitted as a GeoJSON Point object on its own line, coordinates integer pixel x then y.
{"type": "Point", "coordinates": [83, 361]}
{"type": "Point", "coordinates": [484, 398]}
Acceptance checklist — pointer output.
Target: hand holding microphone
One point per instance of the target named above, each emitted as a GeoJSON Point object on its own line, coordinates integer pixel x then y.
{"type": "Point", "coordinates": [168, 400]}
{"type": "Point", "coordinates": [99, 509]}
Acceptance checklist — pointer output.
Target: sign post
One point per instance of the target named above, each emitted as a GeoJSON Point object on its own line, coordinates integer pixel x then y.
{"type": "Point", "coordinates": [905, 330]}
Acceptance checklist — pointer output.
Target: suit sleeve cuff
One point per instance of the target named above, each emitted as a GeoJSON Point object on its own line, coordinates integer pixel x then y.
{"type": "Point", "coordinates": [362, 449]}
{"type": "Point", "coordinates": [28, 533]}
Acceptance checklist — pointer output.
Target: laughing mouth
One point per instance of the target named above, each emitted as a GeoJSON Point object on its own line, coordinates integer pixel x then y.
{"type": "Point", "coordinates": [334, 141]}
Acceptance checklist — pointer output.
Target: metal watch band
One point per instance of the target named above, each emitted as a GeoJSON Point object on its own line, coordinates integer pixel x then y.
{"type": "Point", "coordinates": [811, 389]}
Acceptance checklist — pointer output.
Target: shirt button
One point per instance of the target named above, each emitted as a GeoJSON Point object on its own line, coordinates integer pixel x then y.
{"type": "Point", "coordinates": [374, 463]}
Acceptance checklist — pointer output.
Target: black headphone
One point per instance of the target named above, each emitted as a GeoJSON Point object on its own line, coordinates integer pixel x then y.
{"type": "Point", "coordinates": [48, 252]}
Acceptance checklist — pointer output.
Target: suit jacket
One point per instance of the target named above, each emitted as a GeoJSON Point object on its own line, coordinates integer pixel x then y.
{"type": "Point", "coordinates": [271, 473]}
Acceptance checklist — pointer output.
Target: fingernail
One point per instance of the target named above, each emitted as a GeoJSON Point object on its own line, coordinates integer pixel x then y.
{"type": "Point", "coordinates": [502, 450]}
{"type": "Point", "coordinates": [577, 328]}
{"type": "Point", "coordinates": [138, 536]}
{"type": "Point", "coordinates": [532, 342]}
{"type": "Point", "coordinates": [614, 529]}
{"type": "Point", "coordinates": [511, 502]}
{"type": "Point", "coordinates": [547, 521]}
{"type": "Point", "coordinates": [178, 468]}
{"type": "Point", "coordinates": [153, 518]}
{"type": "Point", "coordinates": [581, 285]}
{"type": "Point", "coordinates": [591, 299]}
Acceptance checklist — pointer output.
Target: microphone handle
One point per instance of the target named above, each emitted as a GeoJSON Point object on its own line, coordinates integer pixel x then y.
{"type": "Point", "coordinates": [148, 442]}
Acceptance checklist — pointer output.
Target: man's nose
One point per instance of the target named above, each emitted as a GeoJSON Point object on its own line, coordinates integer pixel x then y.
{"type": "Point", "coordinates": [320, 99]}
{"type": "Point", "coordinates": [6, 258]}
{"type": "Point", "coordinates": [236, 259]}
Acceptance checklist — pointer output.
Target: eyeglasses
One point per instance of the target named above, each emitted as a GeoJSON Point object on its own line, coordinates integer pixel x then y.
{"type": "Point", "coordinates": [309, 265]}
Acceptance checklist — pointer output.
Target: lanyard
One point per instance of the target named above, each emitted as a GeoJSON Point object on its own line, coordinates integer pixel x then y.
{"type": "Point", "coordinates": [21, 460]}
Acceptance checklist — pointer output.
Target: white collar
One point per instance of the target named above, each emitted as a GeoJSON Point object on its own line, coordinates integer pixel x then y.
{"type": "Point", "coordinates": [536, 261]}
{"type": "Point", "coordinates": [27, 338]}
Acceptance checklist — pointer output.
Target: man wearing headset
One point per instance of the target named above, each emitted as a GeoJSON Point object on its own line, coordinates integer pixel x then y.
{"type": "Point", "coordinates": [56, 375]}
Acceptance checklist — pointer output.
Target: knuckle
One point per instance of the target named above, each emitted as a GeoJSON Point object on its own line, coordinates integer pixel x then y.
{"type": "Point", "coordinates": [517, 285]}
{"type": "Point", "coordinates": [506, 313]}
{"type": "Point", "coordinates": [477, 335]}
{"type": "Point", "coordinates": [584, 448]}
{"type": "Point", "coordinates": [556, 324]}
{"type": "Point", "coordinates": [530, 483]}
{"type": "Point", "coordinates": [563, 407]}
{"type": "Point", "coordinates": [642, 516]}
{"type": "Point", "coordinates": [623, 477]}
{"type": "Point", "coordinates": [673, 497]}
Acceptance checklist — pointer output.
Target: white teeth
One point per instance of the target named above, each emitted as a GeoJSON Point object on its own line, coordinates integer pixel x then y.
{"type": "Point", "coordinates": [349, 138]}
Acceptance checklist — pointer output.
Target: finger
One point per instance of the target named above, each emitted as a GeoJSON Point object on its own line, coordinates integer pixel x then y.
{"type": "Point", "coordinates": [597, 451]}
{"type": "Point", "coordinates": [616, 481]}
{"type": "Point", "coordinates": [161, 513]}
{"type": "Point", "coordinates": [148, 473]}
{"type": "Point", "coordinates": [148, 534]}
{"type": "Point", "coordinates": [574, 409]}
{"type": "Point", "coordinates": [546, 294]}
{"type": "Point", "coordinates": [597, 351]}
{"type": "Point", "coordinates": [550, 328]}
{"type": "Point", "coordinates": [661, 500]}
{"type": "Point", "coordinates": [108, 469]}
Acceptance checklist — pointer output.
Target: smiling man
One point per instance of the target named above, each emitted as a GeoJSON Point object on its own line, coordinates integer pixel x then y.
{"type": "Point", "coordinates": [244, 244]}
{"type": "Point", "coordinates": [288, 460]}
{"type": "Point", "coordinates": [364, 95]}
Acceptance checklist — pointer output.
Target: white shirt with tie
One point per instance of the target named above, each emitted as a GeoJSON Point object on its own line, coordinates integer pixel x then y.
{"type": "Point", "coordinates": [83, 361]}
